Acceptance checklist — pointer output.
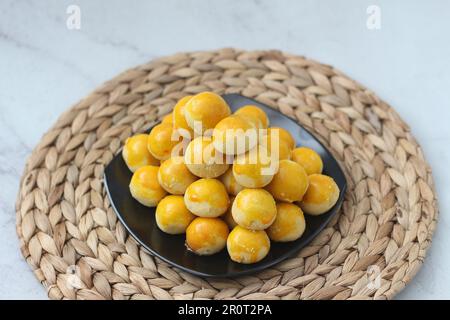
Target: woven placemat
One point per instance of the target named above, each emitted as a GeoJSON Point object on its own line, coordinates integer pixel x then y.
{"type": "Point", "coordinates": [78, 249]}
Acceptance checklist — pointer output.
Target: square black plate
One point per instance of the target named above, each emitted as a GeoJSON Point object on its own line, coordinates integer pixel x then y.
{"type": "Point", "coordinates": [140, 220]}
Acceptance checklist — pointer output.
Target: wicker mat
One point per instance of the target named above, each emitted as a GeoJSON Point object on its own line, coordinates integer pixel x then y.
{"type": "Point", "coordinates": [78, 249]}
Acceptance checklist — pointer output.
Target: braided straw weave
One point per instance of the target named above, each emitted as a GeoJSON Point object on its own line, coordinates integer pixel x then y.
{"type": "Point", "coordinates": [78, 249]}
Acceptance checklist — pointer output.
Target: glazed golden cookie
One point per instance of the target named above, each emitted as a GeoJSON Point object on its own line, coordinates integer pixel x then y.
{"type": "Point", "coordinates": [145, 188]}
{"type": "Point", "coordinates": [308, 159]}
{"type": "Point", "coordinates": [247, 246]}
{"type": "Point", "coordinates": [135, 153]}
{"type": "Point", "coordinates": [228, 216]}
{"type": "Point", "coordinates": [203, 160]}
{"type": "Point", "coordinates": [322, 195]}
{"type": "Point", "coordinates": [172, 216]}
{"type": "Point", "coordinates": [174, 176]}
{"type": "Point", "coordinates": [289, 224]}
{"type": "Point", "coordinates": [207, 198]}
{"type": "Point", "coordinates": [179, 120]}
{"type": "Point", "coordinates": [289, 183]}
{"type": "Point", "coordinates": [206, 236]}
{"type": "Point", "coordinates": [285, 136]}
{"type": "Point", "coordinates": [230, 183]}
{"type": "Point", "coordinates": [254, 209]}
{"type": "Point", "coordinates": [168, 118]}
{"type": "Point", "coordinates": [161, 142]}
{"type": "Point", "coordinates": [276, 145]}
{"type": "Point", "coordinates": [256, 115]}
{"type": "Point", "coordinates": [207, 109]}
{"type": "Point", "coordinates": [234, 135]}
{"type": "Point", "coordinates": [254, 169]}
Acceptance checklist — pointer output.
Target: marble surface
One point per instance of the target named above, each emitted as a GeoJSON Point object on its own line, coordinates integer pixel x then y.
{"type": "Point", "coordinates": [45, 68]}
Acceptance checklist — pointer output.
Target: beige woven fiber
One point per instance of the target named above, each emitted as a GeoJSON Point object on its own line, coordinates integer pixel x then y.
{"type": "Point", "coordinates": [78, 249]}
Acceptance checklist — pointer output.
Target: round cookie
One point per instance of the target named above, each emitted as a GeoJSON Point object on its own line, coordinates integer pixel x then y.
{"type": "Point", "coordinates": [145, 188]}
{"type": "Point", "coordinates": [254, 169]}
{"type": "Point", "coordinates": [172, 216]}
{"type": "Point", "coordinates": [161, 141]}
{"type": "Point", "coordinates": [168, 118]}
{"type": "Point", "coordinates": [206, 236]}
{"type": "Point", "coordinates": [207, 198]}
{"type": "Point", "coordinates": [234, 135]}
{"type": "Point", "coordinates": [205, 109]}
{"type": "Point", "coordinates": [321, 196]}
{"type": "Point", "coordinates": [203, 160]}
{"type": "Point", "coordinates": [247, 246]}
{"type": "Point", "coordinates": [257, 116]}
{"type": "Point", "coordinates": [290, 183]}
{"type": "Point", "coordinates": [308, 159]}
{"type": "Point", "coordinates": [230, 183]}
{"type": "Point", "coordinates": [276, 145]}
{"type": "Point", "coordinates": [174, 176]}
{"type": "Point", "coordinates": [254, 209]}
{"type": "Point", "coordinates": [179, 119]}
{"type": "Point", "coordinates": [289, 224]}
{"type": "Point", "coordinates": [285, 136]}
{"type": "Point", "coordinates": [135, 153]}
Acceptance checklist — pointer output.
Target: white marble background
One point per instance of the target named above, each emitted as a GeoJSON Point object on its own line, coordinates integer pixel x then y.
{"type": "Point", "coordinates": [45, 68]}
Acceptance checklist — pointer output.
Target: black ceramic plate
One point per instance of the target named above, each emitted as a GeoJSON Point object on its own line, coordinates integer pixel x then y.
{"type": "Point", "coordinates": [140, 220]}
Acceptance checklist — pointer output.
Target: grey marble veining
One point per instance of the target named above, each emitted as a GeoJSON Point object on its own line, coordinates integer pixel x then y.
{"type": "Point", "coordinates": [45, 68]}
